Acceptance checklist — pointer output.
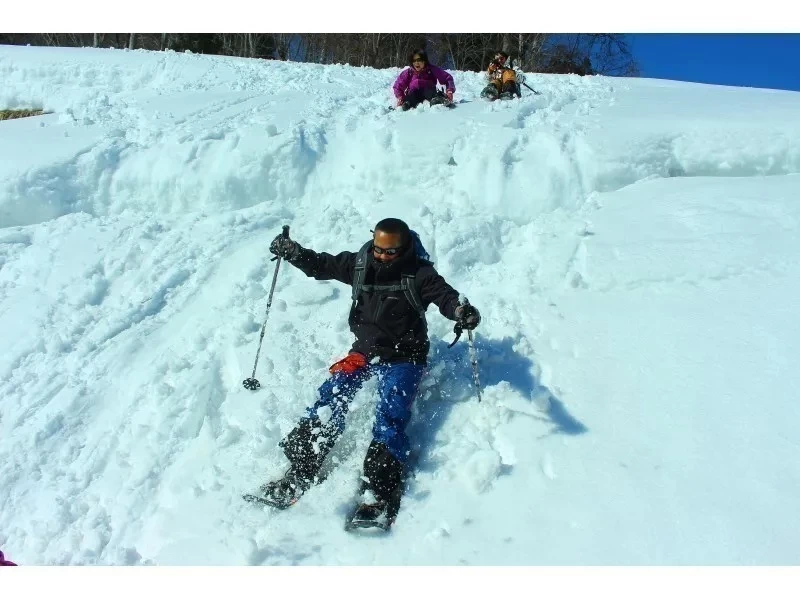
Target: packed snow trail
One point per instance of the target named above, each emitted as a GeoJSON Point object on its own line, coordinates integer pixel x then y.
{"type": "Point", "coordinates": [629, 243]}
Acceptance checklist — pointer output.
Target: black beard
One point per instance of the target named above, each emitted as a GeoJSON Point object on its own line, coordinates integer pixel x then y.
{"type": "Point", "coordinates": [386, 270]}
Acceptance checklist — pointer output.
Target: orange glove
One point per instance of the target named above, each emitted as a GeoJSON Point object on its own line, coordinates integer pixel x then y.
{"type": "Point", "coordinates": [349, 365]}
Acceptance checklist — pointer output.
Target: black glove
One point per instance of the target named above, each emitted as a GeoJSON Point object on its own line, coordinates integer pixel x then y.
{"type": "Point", "coordinates": [284, 247]}
{"type": "Point", "coordinates": [468, 316]}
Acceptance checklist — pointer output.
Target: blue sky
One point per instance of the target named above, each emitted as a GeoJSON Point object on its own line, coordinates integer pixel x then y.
{"type": "Point", "coordinates": [749, 60]}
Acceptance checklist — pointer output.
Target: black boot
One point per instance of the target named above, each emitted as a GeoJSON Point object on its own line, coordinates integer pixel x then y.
{"type": "Point", "coordinates": [489, 92]}
{"type": "Point", "coordinates": [306, 447]}
{"type": "Point", "coordinates": [509, 90]}
{"type": "Point", "coordinates": [437, 99]}
{"type": "Point", "coordinates": [384, 480]}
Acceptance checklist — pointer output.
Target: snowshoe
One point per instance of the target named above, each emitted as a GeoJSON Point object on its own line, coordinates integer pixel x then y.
{"type": "Point", "coordinates": [369, 515]}
{"type": "Point", "coordinates": [489, 92]}
{"type": "Point", "coordinates": [441, 100]}
{"type": "Point", "coordinates": [506, 95]}
{"type": "Point", "coordinates": [282, 493]}
{"type": "Point", "coordinates": [380, 491]}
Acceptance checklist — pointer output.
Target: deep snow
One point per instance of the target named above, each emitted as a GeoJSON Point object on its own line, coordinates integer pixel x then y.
{"type": "Point", "coordinates": [631, 244]}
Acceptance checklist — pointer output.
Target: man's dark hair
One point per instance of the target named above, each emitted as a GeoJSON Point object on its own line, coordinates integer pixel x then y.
{"type": "Point", "coordinates": [395, 226]}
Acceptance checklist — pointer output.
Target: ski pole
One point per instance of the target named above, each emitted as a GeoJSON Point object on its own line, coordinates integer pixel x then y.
{"type": "Point", "coordinates": [531, 88]}
{"type": "Point", "coordinates": [473, 358]}
{"type": "Point", "coordinates": [251, 383]}
{"type": "Point", "coordinates": [473, 353]}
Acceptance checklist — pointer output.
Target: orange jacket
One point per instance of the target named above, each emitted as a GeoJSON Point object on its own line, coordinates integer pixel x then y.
{"type": "Point", "coordinates": [500, 73]}
{"type": "Point", "coordinates": [495, 71]}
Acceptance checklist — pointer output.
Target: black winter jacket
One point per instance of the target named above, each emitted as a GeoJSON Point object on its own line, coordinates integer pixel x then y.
{"type": "Point", "coordinates": [385, 324]}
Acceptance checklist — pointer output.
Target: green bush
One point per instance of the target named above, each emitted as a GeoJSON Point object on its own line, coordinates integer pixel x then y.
{"type": "Point", "coordinates": [9, 114]}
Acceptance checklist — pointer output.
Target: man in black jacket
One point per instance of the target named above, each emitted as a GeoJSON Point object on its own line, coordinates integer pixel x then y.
{"type": "Point", "coordinates": [392, 288]}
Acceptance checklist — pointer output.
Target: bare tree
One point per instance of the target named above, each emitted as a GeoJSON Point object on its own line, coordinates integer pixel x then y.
{"type": "Point", "coordinates": [506, 44]}
{"type": "Point", "coordinates": [323, 51]}
{"type": "Point", "coordinates": [583, 53]}
{"type": "Point", "coordinates": [281, 44]}
{"type": "Point", "coordinates": [587, 54]}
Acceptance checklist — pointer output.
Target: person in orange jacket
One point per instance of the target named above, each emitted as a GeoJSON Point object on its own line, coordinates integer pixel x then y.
{"type": "Point", "coordinates": [502, 79]}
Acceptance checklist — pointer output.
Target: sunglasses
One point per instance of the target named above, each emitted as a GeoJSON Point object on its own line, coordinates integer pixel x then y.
{"type": "Point", "coordinates": [389, 251]}
{"type": "Point", "coordinates": [417, 59]}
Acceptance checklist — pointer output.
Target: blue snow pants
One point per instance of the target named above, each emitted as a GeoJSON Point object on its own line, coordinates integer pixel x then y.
{"type": "Point", "coordinates": [397, 386]}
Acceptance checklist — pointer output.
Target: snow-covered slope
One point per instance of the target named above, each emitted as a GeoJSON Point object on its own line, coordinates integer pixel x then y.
{"type": "Point", "coordinates": [631, 245]}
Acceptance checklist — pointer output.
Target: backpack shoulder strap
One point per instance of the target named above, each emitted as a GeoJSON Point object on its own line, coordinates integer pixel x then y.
{"type": "Point", "coordinates": [360, 271]}
{"type": "Point", "coordinates": [408, 284]}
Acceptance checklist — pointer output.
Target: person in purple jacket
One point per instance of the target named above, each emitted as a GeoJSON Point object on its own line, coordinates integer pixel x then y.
{"type": "Point", "coordinates": [4, 562]}
{"type": "Point", "coordinates": [418, 83]}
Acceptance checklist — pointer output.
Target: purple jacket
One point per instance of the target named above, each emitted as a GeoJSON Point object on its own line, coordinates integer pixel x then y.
{"type": "Point", "coordinates": [3, 561]}
{"type": "Point", "coordinates": [410, 80]}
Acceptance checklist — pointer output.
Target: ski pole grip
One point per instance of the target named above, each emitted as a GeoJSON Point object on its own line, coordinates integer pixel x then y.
{"type": "Point", "coordinates": [285, 235]}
